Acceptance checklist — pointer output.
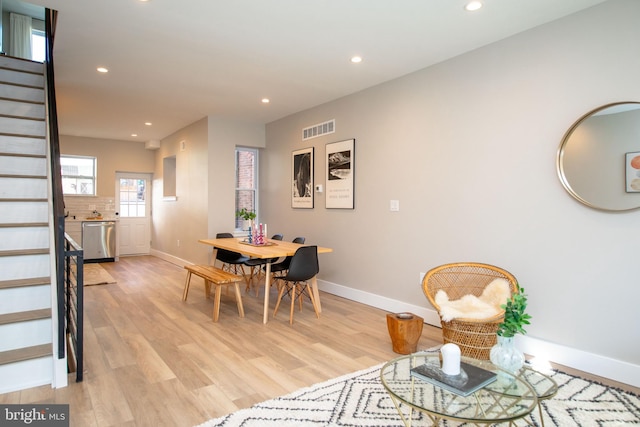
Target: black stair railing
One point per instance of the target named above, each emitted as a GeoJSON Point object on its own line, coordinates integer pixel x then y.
{"type": "Point", "coordinates": [68, 254]}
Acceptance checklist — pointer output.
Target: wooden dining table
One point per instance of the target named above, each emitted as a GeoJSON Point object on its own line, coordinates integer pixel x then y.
{"type": "Point", "coordinates": [274, 249]}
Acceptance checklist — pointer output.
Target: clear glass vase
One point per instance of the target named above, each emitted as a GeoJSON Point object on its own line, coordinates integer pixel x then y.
{"type": "Point", "coordinates": [507, 356]}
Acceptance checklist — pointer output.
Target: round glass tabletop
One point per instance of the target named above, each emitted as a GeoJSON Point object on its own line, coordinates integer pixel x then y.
{"type": "Point", "coordinates": [506, 399]}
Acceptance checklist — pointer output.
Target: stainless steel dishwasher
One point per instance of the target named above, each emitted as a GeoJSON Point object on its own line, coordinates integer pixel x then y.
{"type": "Point", "coordinates": [99, 240]}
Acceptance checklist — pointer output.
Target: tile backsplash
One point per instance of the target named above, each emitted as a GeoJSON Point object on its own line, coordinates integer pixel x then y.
{"type": "Point", "coordinates": [82, 207]}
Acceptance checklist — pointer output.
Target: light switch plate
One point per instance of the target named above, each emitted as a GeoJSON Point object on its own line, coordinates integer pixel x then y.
{"type": "Point", "coordinates": [394, 205]}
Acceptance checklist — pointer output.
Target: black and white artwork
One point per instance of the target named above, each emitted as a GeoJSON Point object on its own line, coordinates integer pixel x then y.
{"type": "Point", "coordinates": [340, 162]}
{"type": "Point", "coordinates": [302, 179]}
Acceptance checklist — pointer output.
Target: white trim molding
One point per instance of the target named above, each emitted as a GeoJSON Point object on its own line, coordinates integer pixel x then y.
{"type": "Point", "coordinates": [169, 258]}
{"type": "Point", "coordinates": [595, 364]}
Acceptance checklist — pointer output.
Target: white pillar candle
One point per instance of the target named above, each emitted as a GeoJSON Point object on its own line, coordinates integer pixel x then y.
{"type": "Point", "coordinates": [450, 359]}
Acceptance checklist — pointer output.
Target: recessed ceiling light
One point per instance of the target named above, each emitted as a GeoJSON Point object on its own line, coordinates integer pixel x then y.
{"type": "Point", "coordinates": [102, 70]}
{"type": "Point", "coordinates": [356, 59]}
{"type": "Point", "coordinates": [473, 6]}
{"type": "Point", "coordinates": [265, 100]}
{"type": "Point", "coordinates": [134, 134]}
{"type": "Point", "coordinates": [147, 123]}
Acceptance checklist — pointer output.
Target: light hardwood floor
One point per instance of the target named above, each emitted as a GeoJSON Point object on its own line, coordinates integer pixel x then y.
{"type": "Point", "coordinates": [153, 360]}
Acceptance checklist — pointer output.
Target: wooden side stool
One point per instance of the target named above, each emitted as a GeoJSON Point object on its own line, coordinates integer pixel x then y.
{"type": "Point", "coordinates": [405, 330]}
{"type": "Point", "coordinates": [218, 277]}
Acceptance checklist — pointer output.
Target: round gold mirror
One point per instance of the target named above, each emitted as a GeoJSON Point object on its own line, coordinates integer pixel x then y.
{"type": "Point", "coordinates": [599, 158]}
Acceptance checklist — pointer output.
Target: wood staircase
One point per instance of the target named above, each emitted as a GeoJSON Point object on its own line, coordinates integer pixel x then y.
{"type": "Point", "coordinates": [27, 328]}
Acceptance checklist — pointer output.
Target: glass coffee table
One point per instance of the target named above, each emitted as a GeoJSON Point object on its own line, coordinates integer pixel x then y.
{"type": "Point", "coordinates": [542, 384]}
{"type": "Point", "coordinates": [506, 400]}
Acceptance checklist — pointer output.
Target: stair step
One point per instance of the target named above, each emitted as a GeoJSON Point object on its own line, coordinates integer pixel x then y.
{"type": "Point", "coordinates": [3, 175]}
{"type": "Point", "coordinates": [24, 224]}
{"type": "Point", "coordinates": [23, 187]}
{"type": "Point", "coordinates": [21, 79]}
{"type": "Point", "coordinates": [15, 199]}
{"type": "Point", "coordinates": [18, 116]}
{"type": "Point", "coordinates": [23, 126]}
{"type": "Point", "coordinates": [21, 93]}
{"type": "Point", "coordinates": [21, 65]}
{"type": "Point", "coordinates": [23, 109]}
{"type": "Point", "coordinates": [21, 252]}
{"type": "Point", "coordinates": [37, 156]}
{"type": "Point", "coordinates": [26, 353]}
{"type": "Point", "coordinates": [24, 316]}
{"type": "Point", "coordinates": [28, 211]}
{"type": "Point", "coordinates": [19, 144]}
{"type": "Point", "coordinates": [19, 283]}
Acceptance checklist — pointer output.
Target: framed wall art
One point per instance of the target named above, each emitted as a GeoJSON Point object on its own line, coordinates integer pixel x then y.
{"type": "Point", "coordinates": [302, 178]}
{"type": "Point", "coordinates": [339, 186]}
{"type": "Point", "coordinates": [632, 171]}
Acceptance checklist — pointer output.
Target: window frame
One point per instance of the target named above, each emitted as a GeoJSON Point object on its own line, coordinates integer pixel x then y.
{"type": "Point", "coordinates": [137, 205]}
{"type": "Point", "coordinates": [255, 188]}
{"type": "Point", "coordinates": [35, 54]}
{"type": "Point", "coordinates": [94, 178]}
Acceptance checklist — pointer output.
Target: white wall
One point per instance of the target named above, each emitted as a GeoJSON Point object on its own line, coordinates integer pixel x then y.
{"type": "Point", "coordinates": [205, 186]}
{"type": "Point", "coordinates": [112, 156]}
{"type": "Point", "coordinates": [469, 147]}
{"type": "Point", "coordinates": [224, 136]}
{"type": "Point", "coordinates": [183, 219]}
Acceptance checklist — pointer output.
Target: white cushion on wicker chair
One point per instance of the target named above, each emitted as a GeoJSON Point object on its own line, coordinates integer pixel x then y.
{"type": "Point", "coordinates": [470, 306]}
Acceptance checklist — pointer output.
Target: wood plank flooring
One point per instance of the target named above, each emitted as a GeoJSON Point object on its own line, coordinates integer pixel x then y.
{"type": "Point", "coordinates": [153, 360]}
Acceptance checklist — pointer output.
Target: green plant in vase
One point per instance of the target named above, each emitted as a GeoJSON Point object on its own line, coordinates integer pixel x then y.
{"type": "Point", "coordinates": [514, 315]}
{"type": "Point", "coordinates": [504, 354]}
{"type": "Point", "coordinates": [247, 215]}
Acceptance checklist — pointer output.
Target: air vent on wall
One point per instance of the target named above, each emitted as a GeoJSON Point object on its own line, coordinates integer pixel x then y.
{"type": "Point", "coordinates": [319, 129]}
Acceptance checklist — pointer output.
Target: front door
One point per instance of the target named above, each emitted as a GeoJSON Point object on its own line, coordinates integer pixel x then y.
{"type": "Point", "coordinates": [132, 200]}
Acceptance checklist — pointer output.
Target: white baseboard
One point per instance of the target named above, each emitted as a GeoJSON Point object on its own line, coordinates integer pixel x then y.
{"type": "Point", "coordinates": [595, 364]}
{"type": "Point", "coordinates": [170, 258]}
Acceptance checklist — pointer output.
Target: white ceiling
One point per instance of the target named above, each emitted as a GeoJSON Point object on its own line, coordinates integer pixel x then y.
{"type": "Point", "coordinates": [173, 62]}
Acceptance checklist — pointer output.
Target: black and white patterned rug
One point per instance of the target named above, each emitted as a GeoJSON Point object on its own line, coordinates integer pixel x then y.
{"type": "Point", "coordinates": [359, 399]}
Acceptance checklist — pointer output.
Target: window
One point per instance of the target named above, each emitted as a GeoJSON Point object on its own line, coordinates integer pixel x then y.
{"type": "Point", "coordinates": [246, 181]}
{"type": "Point", "coordinates": [78, 175]}
{"type": "Point", "coordinates": [37, 45]}
{"type": "Point", "coordinates": [132, 198]}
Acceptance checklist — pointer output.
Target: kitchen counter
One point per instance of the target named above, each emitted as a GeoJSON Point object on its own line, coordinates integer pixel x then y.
{"type": "Point", "coordinates": [79, 220]}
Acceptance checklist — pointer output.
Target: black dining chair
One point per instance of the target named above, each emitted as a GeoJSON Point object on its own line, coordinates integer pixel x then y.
{"type": "Point", "coordinates": [284, 264]}
{"type": "Point", "coordinates": [259, 263]}
{"type": "Point", "coordinates": [303, 267]}
{"type": "Point", "coordinates": [230, 260]}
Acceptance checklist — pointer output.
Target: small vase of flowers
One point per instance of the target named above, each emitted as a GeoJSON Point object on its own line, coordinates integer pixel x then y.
{"type": "Point", "coordinates": [504, 354]}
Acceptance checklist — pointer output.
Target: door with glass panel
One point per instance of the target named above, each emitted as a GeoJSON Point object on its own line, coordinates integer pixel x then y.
{"type": "Point", "coordinates": [133, 204]}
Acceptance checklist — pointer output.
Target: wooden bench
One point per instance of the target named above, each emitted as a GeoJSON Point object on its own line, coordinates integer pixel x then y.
{"type": "Point", "coordinates": [218, 277]}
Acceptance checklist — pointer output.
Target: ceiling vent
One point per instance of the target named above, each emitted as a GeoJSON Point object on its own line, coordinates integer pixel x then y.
{"type": "Point", "coordinates": [319, 130]}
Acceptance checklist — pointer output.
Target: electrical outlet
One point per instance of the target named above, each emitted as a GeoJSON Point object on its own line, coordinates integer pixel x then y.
{"type": "Point", "coordinates": [178, 242]}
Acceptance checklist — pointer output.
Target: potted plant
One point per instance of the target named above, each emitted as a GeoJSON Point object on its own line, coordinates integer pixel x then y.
{"type": "Point", "coordinates": [504, 354]}
{"type": "Point", "coordinates": [247, 216]}
{"type": "Point", "coordinates": [514, 315]}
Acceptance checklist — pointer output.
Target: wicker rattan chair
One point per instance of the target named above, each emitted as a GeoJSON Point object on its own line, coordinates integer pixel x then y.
{"type": "Point", "coordinates": [475, 337]}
